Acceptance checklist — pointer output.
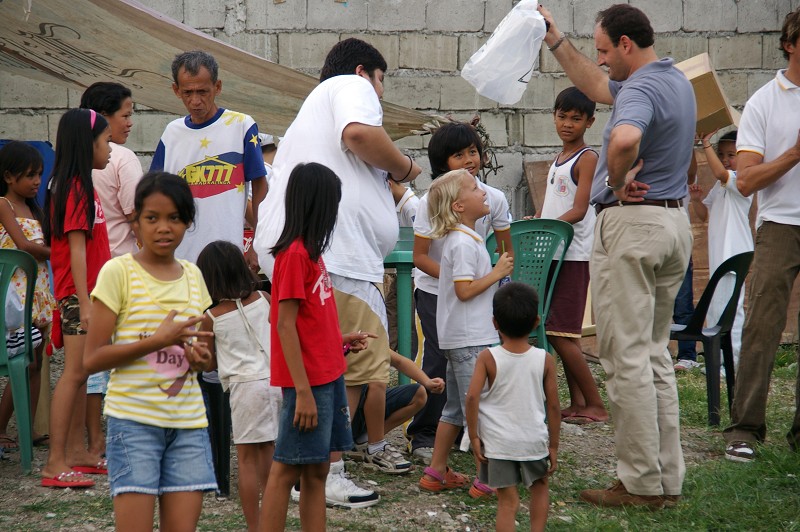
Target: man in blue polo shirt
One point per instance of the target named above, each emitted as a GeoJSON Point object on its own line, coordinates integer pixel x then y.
{"type": "Point", "coordinates": [642, 244]}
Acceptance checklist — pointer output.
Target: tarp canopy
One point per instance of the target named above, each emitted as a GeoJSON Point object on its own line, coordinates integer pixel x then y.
{"type": "Point", "coordinates": [79, 42]}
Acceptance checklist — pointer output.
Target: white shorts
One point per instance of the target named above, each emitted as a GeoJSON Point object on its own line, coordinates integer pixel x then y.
{"type": "Point", "coordinates": [255, 410]}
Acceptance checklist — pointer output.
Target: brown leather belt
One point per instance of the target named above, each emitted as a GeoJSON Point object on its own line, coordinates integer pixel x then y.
{"type": "Point", "coordinates": [668, 203]}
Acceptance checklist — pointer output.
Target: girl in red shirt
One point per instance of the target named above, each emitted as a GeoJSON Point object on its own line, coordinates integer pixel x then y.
{"type": "Point", "coordinates": [75, 229]}
{"type": "Point", "coordinates": [307, 351]}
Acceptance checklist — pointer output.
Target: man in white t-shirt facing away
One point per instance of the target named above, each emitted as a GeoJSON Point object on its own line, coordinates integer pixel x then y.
{"type": "Point", "coordinates": [340, 126]}
{"type": "Point", "coordinates": [216, 151]}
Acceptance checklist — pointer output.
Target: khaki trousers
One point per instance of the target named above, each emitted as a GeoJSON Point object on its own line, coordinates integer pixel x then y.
{"type": "Point", "coordinates": [640, 257]}
{"type": "Point", "coordinates": [776, 264]}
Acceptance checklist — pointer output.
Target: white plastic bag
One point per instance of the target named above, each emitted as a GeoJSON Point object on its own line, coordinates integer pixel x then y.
{"type": "Point", "coordinates": [502, 67]}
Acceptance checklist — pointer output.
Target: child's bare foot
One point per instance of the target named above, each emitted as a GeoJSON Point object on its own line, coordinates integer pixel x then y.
{"type": "Point", "coordinates": [100, 450]}
{"type": "Point", "coordinates": [7, 442]}
{"type": "Point", "coordinates": [570, 411]}
{"type": "Point", "coordinates": [587, 415]}
{"type": "Point", "coordinates": [41, 440]}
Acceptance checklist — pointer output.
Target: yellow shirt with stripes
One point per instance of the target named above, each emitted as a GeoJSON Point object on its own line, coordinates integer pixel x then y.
{"type": "Point", "coordinates": [158, 389]}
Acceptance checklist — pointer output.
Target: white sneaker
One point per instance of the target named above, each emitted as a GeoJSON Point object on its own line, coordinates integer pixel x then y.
{"type": "Point", "coordinates": [341, 492]}
{"type": "Point", "coordinates": [295, 493]}
{"type": "Point", "coordinates": [685, 364]}
{"type": "Point", "coordinates": [389, 460]}
{"type": "Point", "coordinates": [423, 453]}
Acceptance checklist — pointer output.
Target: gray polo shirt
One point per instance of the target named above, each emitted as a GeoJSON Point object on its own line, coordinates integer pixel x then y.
{"type": "Point", "coordinates": [659, 100]}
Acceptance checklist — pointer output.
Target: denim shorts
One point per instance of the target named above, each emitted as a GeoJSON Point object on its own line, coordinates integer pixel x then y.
{"type": "Point", "coordinates": [397, 397]}
{"type": "Point", "coordinates": [97, 382]}
{"type": "Point", "coordinates": [460, 367]}
{"type": "Point", "coordinates": [294, 447]}
{"type": "Point", "coordinates": [154, 460]}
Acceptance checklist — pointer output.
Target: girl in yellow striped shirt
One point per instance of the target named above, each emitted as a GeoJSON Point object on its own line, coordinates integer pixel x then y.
{"type": "Point", "coordinates": [145, 309]}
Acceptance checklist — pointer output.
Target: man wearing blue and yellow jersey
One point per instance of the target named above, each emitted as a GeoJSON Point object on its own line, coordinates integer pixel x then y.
{"type": "Point", "coordinates": [216, 151]}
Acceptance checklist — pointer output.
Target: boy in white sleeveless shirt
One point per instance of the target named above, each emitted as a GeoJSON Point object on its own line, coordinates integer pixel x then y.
{"type": "Point", "coordinates": [569, 183]}
{"type": "Point", "coordinates": [513, 414]}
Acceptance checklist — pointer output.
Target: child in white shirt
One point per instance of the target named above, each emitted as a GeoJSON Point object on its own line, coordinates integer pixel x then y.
{"type": "Point", "coordinates": [513, 411]}
{"type": "Point", "coordinates": [729, 231]}
{"type": "Point", "coordinates": [467, 283]}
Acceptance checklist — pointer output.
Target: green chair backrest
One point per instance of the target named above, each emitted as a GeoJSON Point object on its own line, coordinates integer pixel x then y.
{"type": "Point", "coordinates": [17, 367]}
{"type": "Point", "coordinates": [10, 260]}
{"type": "Point", "coordinates": [539, 249]}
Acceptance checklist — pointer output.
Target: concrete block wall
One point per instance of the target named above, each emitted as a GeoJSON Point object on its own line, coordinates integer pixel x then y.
{"type": "Point", "coordinates": [426, 43]}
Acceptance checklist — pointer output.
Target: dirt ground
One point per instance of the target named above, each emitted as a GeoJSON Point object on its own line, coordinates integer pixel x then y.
{"type": "Point", "coordinates": [586, 450]}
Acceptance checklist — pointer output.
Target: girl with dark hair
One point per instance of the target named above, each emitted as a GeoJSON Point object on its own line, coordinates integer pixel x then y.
{"type": "Point", "coordinates": [21, 228]}
{"type": "Point", "coordinates": [76, 231]}
{"type": "Point", "coordinates": [240, 322]}
{"type": "Point", "coordinates": [145, 311]}
{"type": "Point", "coordinates": [307, 360]}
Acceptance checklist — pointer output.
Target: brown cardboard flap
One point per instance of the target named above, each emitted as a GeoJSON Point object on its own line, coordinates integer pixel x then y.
{"type": "Point", "coordinates": [713, 109]}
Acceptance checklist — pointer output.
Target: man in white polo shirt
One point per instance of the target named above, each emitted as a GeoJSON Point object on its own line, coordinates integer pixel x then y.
{"type": "Point", "coordinates": [768, 148]}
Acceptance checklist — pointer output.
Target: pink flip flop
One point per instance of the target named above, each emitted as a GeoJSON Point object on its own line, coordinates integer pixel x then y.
{"type": "Point", "coordinates": [61, 481]}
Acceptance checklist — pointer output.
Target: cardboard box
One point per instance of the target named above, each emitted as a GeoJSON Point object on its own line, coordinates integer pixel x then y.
{"type": "Point", "coordinates": [713, 110]}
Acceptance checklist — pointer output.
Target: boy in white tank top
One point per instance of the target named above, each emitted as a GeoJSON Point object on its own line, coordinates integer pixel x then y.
{"type": "Point", "coordinates": [513, 414]}
{"type": "Point", "coordinates": [569, 184]}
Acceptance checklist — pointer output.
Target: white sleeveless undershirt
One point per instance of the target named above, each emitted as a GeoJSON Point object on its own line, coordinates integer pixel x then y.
{"type": "Point", "coordinates": [511, 414]}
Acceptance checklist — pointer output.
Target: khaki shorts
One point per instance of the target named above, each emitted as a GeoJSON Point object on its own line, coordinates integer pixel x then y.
{"type": "Point", "coordinates": [355, 314]}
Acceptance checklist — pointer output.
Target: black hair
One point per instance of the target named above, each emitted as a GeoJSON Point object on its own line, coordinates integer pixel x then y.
{"type": "Point", "coordinates": [346, 55]}
{"type": "Point", "coordinates": [312, 204]}
{"type": "Point", "coordinates": [516, 309]}
{"type": "Point", "coordinates": [72, 169]}
{"type": "Point", "coordinates": [448, 139]}
{"type": "Point", "coordinates": [193, 61]}
{"type": "Point", "coordinates": [225, 272]}
{"type": "Point", "coordinates": [730, 136]}
{"type": "Point", "coordinates": [572, 99]}
{"type": "Point", "coordinates": [105, 97]}
{"type": "Point", "coordinates": [17, 158]}
{"type": "Point", "coordinates": [172, 187]}
{"type": "Point", "coordinates": [624, 19]}
{"type": "Point", "coordinates": [790, 31]}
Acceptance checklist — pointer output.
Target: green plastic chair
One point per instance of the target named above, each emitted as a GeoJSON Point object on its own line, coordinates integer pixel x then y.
{"type": "Point", "coordinates": [16, 368]}
{"type": "Point", "coordinates": [539, 247]}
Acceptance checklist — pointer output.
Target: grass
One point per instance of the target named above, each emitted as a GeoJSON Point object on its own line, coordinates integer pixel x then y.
{"type": "Point", "coordinates": [718, 494]}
